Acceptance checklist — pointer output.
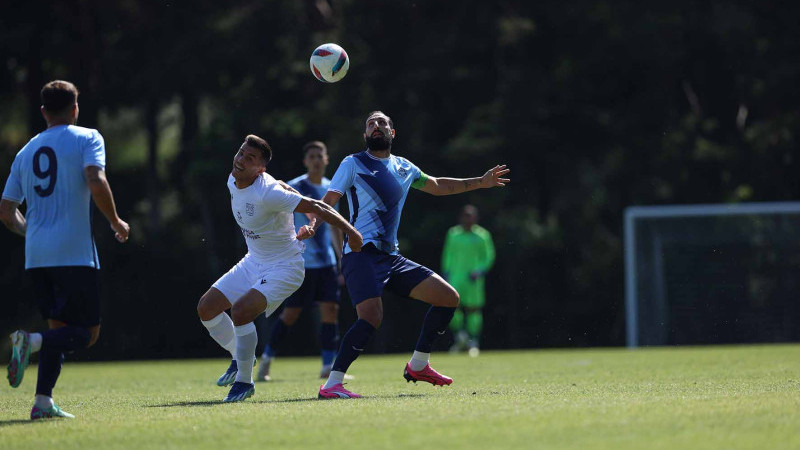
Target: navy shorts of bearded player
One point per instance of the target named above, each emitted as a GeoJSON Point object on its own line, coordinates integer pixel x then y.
{"type": "Point", "coordinates": [367, 272]}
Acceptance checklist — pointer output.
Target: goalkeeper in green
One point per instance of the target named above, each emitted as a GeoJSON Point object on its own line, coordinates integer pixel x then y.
{"type": "Point", "coordinates": [468, 254]}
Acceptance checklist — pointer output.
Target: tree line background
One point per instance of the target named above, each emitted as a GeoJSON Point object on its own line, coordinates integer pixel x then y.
{"type": "Point", "coordinates": [594, 105]}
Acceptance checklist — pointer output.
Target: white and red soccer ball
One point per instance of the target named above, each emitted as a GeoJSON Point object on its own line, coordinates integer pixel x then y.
{"type": "Point", "coordinates": [329, 63]}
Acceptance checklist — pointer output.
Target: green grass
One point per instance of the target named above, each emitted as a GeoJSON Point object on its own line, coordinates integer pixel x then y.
{"type": "Point", "coordinates": [700, 397]}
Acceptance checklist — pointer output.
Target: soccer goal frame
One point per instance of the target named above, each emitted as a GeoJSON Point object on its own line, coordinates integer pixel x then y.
{"type": "Point", "coordinates": [634, 213]}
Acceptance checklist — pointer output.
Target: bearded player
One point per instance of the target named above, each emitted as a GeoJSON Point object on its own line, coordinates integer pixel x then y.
{"type": "Point", "coordinates": [376, 183]}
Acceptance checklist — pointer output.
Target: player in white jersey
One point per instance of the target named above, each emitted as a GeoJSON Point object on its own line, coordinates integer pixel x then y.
{"type": "Point", "coordinates": [55, 174]}
{"type": "Point", "coordinates": [273, 267]}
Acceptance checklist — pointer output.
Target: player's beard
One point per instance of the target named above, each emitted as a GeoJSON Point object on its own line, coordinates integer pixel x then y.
{"type": "Point", "coordinates": [379, 143]}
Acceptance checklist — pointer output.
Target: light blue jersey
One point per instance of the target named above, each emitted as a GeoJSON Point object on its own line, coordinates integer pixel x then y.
{"type": "Point", "coordinates": [319, 249]}
{"type": "Point", "coordinates": [48, 175]}
{"type": "Point", "coordinates": [376, 190]}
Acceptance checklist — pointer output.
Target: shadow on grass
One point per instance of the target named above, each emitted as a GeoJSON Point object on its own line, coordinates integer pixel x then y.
{"type": "Point", "coordinates": [266, 402]}
{"type": "Point", "coordinates": [8, 423]}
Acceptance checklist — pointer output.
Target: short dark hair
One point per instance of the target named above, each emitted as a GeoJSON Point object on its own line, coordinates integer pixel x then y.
{"type": "Point", "coordinates": [256, 142]}
{"type": "Point", "coordinates": [391, 124]}
{"type": "Point", "coordinates": [314, 144]}
{"type": "Point", "coordinates": [58, 96]}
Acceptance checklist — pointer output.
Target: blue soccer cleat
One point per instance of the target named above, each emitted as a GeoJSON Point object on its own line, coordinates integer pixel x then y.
{"type": "Point", "coordinates": [20, 356]}
{"type": "Point", "coordinates": [240, 391]}
{"type": "Point", "coordinates": [229, 376]}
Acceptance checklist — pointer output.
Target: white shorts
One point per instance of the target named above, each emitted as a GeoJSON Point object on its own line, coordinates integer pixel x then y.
{"type": "Point", "coordinates": [276, 281]}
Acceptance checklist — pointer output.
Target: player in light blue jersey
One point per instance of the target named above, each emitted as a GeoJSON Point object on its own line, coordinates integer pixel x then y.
{"type": "Point", "coordinates": [376, 183]}
{"type": "Point", "coordinates": [56, 173]}
{"type": "Point", "coordinates": [321, 283]}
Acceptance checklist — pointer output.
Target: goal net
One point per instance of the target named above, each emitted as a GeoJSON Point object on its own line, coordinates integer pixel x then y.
{"type": "Point", "coordinates": [712, 274]}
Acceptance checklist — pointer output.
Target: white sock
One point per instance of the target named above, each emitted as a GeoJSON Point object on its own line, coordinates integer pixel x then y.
{"type": "Point", "coordinates": [334, 378]}
{"type": "Point", "coordinates": [419, 360]}
{"type": "Point", "coordinates": [221, 330]}
{"type": "Point", "coordinates": [43, 402]}
{"type": "Point", "coordinates": [246, 341]}
{"type": "Point", "coordinates": [36, 344]}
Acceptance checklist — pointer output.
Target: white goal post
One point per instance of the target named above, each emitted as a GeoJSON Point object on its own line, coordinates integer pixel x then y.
{"type": "Point", "coordinates": [635, 216]}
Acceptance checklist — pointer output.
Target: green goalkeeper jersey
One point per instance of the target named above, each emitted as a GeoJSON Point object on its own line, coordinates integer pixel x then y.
{"type": "Point", "coordinates": [466, 252]}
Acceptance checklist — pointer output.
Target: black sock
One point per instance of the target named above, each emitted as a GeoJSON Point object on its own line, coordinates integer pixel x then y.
{"type": "Point", "coordinates": [49, 370]}
{"type": "Point", "coordinates": [279, 331]}
{"type": "Point", "coordinates": [353, 344]}
{"type": "Point", "coordinates": [435, 324]}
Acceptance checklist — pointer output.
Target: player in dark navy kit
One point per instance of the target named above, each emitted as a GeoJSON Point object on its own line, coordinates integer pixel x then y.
{"type": "Point", "coordinates": [321, 284]}
{"type": "Point", "coordinates": [55, 174]}
{"type": "Point", "coordinates": [376, 183]}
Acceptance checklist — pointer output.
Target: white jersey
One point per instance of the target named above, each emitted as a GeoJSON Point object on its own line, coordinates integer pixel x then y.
{"type": "Point", "coordinates": [264, 212]}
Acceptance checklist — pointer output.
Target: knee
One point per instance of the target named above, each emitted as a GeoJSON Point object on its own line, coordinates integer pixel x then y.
{"type": "Point", "coordinates": [94, 334]}
{"type": "Point", "coordinates": [204, 309]}
{"type": "Point", "coordinates": [329, 312]}
{"type": "Point", "coordinates": [373, 315]}
{"type": "Point", "coordinates": [290, 315]}
{"type": "Point", "coordinates": [239, 314]}
{"type": "Point", "coordinates": [452, 299]}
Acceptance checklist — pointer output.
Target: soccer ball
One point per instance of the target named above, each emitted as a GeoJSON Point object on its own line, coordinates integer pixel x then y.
{"type": "Point", "coordinates": [329, 63]}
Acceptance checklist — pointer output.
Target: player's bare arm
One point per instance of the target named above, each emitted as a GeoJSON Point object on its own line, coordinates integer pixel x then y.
{"type": "Point", "coordinates": [287, 187]}
{"type": "Point", "coordinates": [104, 199]}
{"type": "Point", "coordinates": [12, 217]}
{"type": "Point", "coordinates": [449, 186]}
{"type": "Point", "coordinates": [328, 214]}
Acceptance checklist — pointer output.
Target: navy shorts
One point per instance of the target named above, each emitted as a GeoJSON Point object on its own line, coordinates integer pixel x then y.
{"type": "Point", "coordinates": [70, 294]}
{"type": "Point", "coordinates": [367, 272]}
{"type": "Point", "coordinates": [320, 285]}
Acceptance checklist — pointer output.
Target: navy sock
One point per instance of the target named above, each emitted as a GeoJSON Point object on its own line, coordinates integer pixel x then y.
{"type": "Point", "coordinates": [65, 339]}
{"type": "Point", "coordinates": [49, 370]}
{"type": "Point", "coordinates": [435, 324]}
{"type": "Point", "coordinates": [279, 331]}
{"type": "Point", "coordinates": [353, 343]}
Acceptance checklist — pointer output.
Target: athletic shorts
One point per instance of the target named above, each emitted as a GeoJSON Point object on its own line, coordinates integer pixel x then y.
{"type": "Point", "coordinates": [276, 281]}
{"type": "Point", "coordinates": [320, 285]}
{"type": "Point", "coordinates": [70, 294]}
{"type": "Point", "coordinates": [367, 272]}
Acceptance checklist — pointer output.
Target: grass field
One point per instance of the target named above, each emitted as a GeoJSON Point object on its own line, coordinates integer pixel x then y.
{"type": "Point", "coordinates": [702, 397]}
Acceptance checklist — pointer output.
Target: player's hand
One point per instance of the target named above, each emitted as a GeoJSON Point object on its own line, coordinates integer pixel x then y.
{"type": "Point", "coordinates": [307, 231]}
{"type": "Point", "coordinates": [492, 177]}
{"type": "Point", "coordinates": [355, 241]}
{"type": "Point", "coordinates": [121, 230]}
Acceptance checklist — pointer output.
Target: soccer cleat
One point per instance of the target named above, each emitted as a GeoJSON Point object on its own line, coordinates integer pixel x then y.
{"type": "Point", "coordinates": [20, 356]}
{"type": "Point", "coordinates": [427, 374]}
{"type": "Point", "coordinates": [229, 376]}
{"type": "Point", "coordinates": [336, 391]}
{"type": "Point", "coordinates": [240, 391]}
{"type": "Point", "coordinates": [263, 369]}
{"type": "Point", "coordinates": [54, 411]}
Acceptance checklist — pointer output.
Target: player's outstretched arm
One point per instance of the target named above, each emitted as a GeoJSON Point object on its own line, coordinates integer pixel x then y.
{"type": "Point", "coordinates": [328, 214]}
{"type": "Point", "coordinates": [104, 199]}
{"type": "Point", "coordinates": [449, 186]}
{"type": "Point", "coordinates": [12, 217]}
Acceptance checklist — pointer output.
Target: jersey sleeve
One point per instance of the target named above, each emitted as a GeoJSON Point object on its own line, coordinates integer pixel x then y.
{"type": "Point", "coordinates": [13, 190]}
{"type": "Point", "coordinates": [344, 177]}
{"type": "Point", "coordinates": [418, 176]}
{"type": "Point", "coordinates": [94, 151]}
{"type": "Point", "coordinates": [280, 200]}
